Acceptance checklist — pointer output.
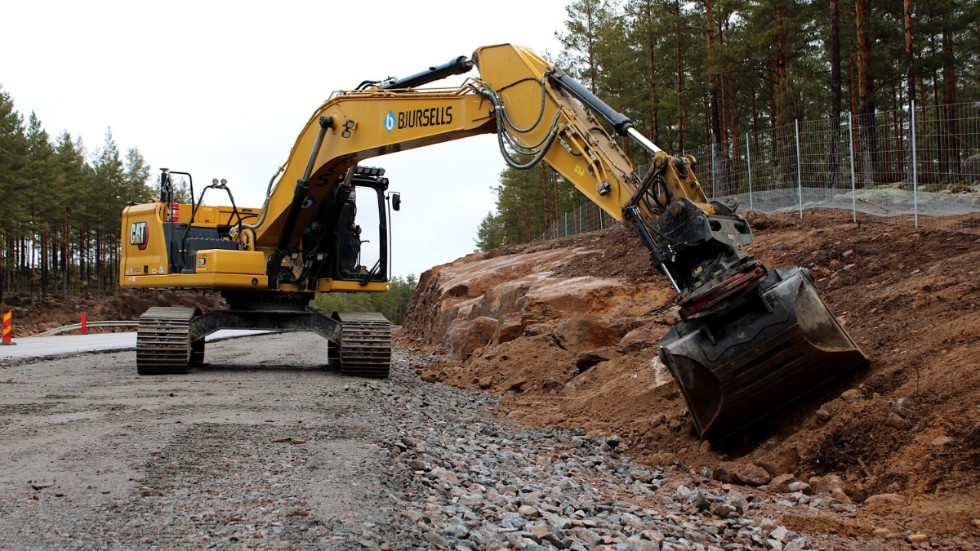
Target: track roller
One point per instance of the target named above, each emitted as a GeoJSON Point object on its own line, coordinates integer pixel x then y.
{"type": "Point", "coordinates": [365, 344]}
{"type": "Point", "coordinates": [163, 341]}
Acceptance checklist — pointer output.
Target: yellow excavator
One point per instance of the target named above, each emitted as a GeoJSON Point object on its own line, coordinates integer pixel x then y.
{"type": "Point", "coordinates": [750, 341]}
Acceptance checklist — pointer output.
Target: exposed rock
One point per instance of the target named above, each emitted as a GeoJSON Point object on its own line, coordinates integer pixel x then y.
{"type": "Point", "coordinates": [588, 359]}
{"type": "Point", "coordinates": [751, 475]}
{"type": "Point", "coordinates": [445, 475]}
{"type": "Point", "coordinates": [641, 338]}
{"type": "Point", "coordinates": [508, 330]}
{"type": "Point", "coordinates": [885, 500]}
{"type": "Point", "coordinates": [825, 485]}
{"type": "Point", "coordinates": [918, 538]}
{"type": "Point", "coordinates": [583, 333]}
{"type": "Point", "coordinates": [851, 395]}
{"type": "Point", "coordinates": [971, 169]}
{"type": "Point", "coordinates": [781, 483]}
{"type": "Point", "coordinates": [777, 463]}
{"type": "Point", "coordinates": [723, 473]}
{"type": "Point", "coordinates": [468, 337]}
{"type": "Point", "coordinates": [903, 407]}
{"type": "Point", "coordinates": [801, 487]}
{"type": "Point", "coordinates": [535, 329]}
{"type": "Point", "coordinates": [897, 422]}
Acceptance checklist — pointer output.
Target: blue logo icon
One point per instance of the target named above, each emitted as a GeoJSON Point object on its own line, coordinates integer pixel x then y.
{"type": "Point", "coordinates": [308, 202]}
{"type": "Point", "coordinates": [390, 122]}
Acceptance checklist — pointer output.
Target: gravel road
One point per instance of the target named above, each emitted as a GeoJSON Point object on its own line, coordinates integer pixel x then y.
{"type": "Point", "coordinates": [263, 448]}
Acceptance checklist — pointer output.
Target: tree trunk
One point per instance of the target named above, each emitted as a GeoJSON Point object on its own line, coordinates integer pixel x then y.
{"type": "Point", "coordinates": [44, 263]}
{"type": "Point", "coordinates": [652, 64]}
{"type": "Point", "coordinates": [835, 94]}
{"type": "Point", "coordinates": [680, 81]}
{"type": "Point", "coordinates": [715, 142]}
{"type": "Point", "coordinates": [909, 61]}
{"type": "Point", "coordinates": [866, 114]}
{"type": "Point", "coordinates": [950, 111]}
{"type": "Point", "coordinates": [927, 174]}
{"type": "Point", "coordinates": [65, 254]}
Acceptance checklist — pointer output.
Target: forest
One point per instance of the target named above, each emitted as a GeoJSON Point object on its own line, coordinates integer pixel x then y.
{"type": "Point", "coordinates": [705, 75]}
{"type": "Point", "coordinates": [692, 74]}
{"type": "Point", "coordinates": [61, 205]}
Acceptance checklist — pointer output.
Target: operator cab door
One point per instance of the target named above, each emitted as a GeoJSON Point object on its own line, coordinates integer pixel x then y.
{"type": "Point", "coordinates": [362, 253]}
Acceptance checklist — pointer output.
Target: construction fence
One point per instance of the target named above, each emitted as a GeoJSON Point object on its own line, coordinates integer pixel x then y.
{"type": "Point", "coordinates": [918, 166]}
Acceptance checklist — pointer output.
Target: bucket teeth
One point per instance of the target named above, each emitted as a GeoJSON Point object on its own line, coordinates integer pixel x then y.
{"type": "Point", "coordinates": [773, 348]}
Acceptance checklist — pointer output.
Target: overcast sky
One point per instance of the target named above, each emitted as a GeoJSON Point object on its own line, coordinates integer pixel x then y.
{"type": "Point", "coordinates": [221, 89]}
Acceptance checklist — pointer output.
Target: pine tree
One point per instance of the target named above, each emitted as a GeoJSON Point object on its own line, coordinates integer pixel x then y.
{"type": "Point", "coordinates": [13, 161]}
{"type": "Point", "coordinates": [107, 198]}
{"type": "Point", "coordinates": [40, 189]}
{"type": "Point", "coordinates": [135, 177]}
{"type": "Point", "coordinates": [72, 177]}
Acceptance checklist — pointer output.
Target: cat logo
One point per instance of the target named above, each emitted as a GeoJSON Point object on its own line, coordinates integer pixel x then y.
{"type": "Point", "coordinates": [138, 235]}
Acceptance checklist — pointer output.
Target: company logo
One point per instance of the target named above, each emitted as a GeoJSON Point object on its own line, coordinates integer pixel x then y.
{"type": "Point", "coordinates": [308, 202]}
{"type": "Point", "coordinates": [419, 118]}
{"type": "Point", "coordinates": [390, 121]}
{"type": "Point", "coordinates": [138, 235]}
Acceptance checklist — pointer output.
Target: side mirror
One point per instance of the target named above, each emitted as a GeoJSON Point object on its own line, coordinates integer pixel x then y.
{"type": "Point", "coordinates": [396, 201]}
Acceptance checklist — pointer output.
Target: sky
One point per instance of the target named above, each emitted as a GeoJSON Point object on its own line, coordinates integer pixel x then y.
{"type": "Point", "coordinates": [221, 89]}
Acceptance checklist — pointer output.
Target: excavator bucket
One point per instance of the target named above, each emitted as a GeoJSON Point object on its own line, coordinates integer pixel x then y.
{"type": "Point", "coordinates": [773, 348]}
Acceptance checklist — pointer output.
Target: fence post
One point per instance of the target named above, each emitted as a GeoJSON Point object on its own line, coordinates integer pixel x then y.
{"type": "Point", "coordinates": [799, 169]}
{"type": "Point", "coordinates": [850, 150]}
{"type": "Point", "coordinates": [748, 157]}
{"type": "Point", "coordinates": [714, 179]}
{"type": "Point", "coordinates": [915, 175]}
{"type": "Point", "coordinates": [581, 220]}
{"type": "Point", "coordinates": [566, 224]}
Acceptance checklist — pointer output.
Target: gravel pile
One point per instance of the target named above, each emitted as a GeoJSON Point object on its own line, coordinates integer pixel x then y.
{"type": "Point", "coordinates": [470, 482]}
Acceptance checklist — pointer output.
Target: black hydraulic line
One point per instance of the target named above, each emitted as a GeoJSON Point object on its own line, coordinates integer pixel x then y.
{"type": "Point", "coordinates": [190, 182]}
{"type": "Point", "coordinates": [632, 213]}
{"type": "Point", "coordinates": [620, 122]}
{"type": "Point", "coordinates": [167, 188]}
{"type": "Point", "coordinates": [457, 66]}
{"type": "Point", "coordinates": [299, 195]}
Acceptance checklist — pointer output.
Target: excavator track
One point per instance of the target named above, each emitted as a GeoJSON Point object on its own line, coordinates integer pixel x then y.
{"type": "Point", "coordinates": [163, 341]}
{"type": "Point", "coordinates": [365, 344]}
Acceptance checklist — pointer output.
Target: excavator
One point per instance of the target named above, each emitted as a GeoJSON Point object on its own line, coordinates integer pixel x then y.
{"type": "Point", "coordinates": [749, 341]}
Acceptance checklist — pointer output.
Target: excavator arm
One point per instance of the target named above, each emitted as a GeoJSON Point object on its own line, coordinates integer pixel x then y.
{"type": "Point", "coordinates": [538, 115]}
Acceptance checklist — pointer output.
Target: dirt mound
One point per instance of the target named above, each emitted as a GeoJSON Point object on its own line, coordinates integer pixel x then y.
{"type": "Point", "coordinates": [566, 332]}
{"type": "Point", "coordinates": [39, 314]}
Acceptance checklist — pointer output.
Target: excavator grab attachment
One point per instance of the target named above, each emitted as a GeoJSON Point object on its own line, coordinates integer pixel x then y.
{"type": "Point", "coordinates": [775, 346]}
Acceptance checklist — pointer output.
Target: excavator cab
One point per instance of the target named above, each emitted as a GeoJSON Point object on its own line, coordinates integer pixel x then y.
{"type": "Point", "coordinates": [360, 234]}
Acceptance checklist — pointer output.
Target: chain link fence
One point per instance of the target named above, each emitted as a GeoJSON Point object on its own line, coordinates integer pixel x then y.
{"type": "Point", "coordinates": [918, 166]}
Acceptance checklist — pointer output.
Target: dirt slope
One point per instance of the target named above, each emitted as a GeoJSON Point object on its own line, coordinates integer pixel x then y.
{"type": "Point", "coordinates": [566, 332]}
